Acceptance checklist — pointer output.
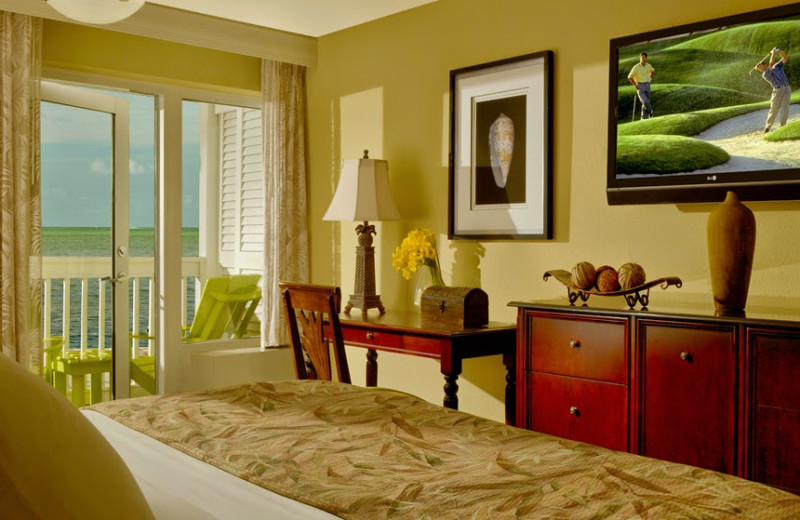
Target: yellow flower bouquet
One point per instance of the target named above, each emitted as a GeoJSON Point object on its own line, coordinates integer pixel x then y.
{"type": "Point", "coordinates": [418, 249]}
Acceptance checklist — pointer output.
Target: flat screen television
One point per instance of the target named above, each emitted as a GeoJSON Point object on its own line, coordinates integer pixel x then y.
{"type": "Point", "coordinates": [704, 131]}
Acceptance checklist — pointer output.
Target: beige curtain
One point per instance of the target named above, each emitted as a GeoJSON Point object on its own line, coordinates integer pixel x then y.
{"type": "Point", "coordinates": [286, 229]}
{"type": "Point", "coordinates": [20, 194]}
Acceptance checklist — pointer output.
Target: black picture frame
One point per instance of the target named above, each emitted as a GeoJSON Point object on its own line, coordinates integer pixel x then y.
{"type": "Point", "coordinates": [704, 71]}
{"type": "Point", "coordinates": [501, 124]}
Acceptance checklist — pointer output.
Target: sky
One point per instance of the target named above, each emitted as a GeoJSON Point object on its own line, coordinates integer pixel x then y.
{"type": "Point", "coordinates": [76, 164]}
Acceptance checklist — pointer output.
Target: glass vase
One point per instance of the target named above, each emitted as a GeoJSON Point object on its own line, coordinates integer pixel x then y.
{"type": "Point", "coordinates": [427, 276]}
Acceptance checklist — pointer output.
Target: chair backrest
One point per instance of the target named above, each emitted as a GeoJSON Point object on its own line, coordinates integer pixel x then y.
{"type": "Point", "coordinates": [227, 305]}
{"type": "Point", "coordinates": [312, 313]}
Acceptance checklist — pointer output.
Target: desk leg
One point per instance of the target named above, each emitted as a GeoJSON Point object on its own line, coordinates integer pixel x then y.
{"type": "Point", "coordinates": [372, 367]}
{"type": "Point", "coordinates": [451, 368]}
{"type": "Point", "coordinates": [451, 391]}
{"type": "Point", "coordinates": [511, 387]}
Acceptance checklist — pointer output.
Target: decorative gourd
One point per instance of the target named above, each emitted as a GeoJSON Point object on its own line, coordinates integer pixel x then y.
{"type": "Point", "coordinates": [607, 279]}
{"type": "Point", "coordinates": [583, 275]}
{"type": "Point", "coordinates": [631, 275]}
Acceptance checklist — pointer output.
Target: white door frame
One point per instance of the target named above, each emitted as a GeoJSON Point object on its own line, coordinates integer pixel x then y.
{"type": "Point", "coordinates": [118, 109]}
{"type": "Point", "coordinates": [172, 356]}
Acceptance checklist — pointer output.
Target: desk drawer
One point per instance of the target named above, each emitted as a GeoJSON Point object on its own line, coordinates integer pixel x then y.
{"type": "Point", "coordinates": [394, 342]}
{"type": "Point", "coordinates": [587, 347]}
{"type": "Point", "coordinates": [579, 409]}
{"type": "Point", "coordinates": [372, 338]}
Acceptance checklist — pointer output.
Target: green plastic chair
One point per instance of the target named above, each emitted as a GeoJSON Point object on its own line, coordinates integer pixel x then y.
{"type": "Point", "coordinates": [227, 307]}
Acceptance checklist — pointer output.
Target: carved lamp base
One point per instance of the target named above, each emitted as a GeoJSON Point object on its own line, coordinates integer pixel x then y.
{"type": "Point", "coordinates": [364, 296]}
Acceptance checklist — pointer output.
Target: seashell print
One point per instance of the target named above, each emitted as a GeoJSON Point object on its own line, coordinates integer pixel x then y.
{"type": "Point", "coordinates": [501, 148]}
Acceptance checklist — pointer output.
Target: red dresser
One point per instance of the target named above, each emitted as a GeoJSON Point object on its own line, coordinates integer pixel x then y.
{"type": "Point", "coordinates": [671, 382]}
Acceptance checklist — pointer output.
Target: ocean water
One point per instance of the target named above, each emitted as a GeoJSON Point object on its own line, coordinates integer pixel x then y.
{"type": "Point", "coordinates": [70, 241]}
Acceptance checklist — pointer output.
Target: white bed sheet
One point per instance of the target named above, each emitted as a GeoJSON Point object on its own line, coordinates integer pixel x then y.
{"type": "Point", "coordinates": [180, 487]}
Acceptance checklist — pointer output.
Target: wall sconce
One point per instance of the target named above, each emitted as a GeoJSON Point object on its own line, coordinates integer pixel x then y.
{"type": "Point", "coordinates": [363, 194]}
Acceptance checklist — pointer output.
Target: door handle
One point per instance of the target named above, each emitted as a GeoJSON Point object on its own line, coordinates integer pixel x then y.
{"type": "Point", "coordinates": [121, 277]}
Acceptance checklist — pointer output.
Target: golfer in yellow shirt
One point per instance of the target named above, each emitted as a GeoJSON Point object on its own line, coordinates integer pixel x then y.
{"type": "Point", "coordinates": [640, 76]}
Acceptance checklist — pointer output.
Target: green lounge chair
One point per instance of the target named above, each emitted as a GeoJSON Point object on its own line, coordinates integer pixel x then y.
{"type": "Point", "coordinates": [227, 307]}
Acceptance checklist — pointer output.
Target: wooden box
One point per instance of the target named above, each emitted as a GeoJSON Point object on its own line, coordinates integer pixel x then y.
{"type": "Point", "coordinates": [455, 307]}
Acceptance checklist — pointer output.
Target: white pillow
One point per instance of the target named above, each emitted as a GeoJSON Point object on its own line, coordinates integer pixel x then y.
{"type": "Point", "coordinates": [53, 462]}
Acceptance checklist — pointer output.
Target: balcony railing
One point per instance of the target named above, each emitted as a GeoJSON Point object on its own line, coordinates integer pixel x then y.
{"type": "Point", "coordinates": [77, 301]}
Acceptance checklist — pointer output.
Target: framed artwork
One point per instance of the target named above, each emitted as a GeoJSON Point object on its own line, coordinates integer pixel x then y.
{"type": "Point", "coordinates": [501, 117]}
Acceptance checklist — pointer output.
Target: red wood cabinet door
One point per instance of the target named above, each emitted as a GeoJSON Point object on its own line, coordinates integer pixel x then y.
{"type": "Point", "coordinates": [687, 378]}
{"type": "Point", "coordinates": [776, 433]}
{"type": "Point", "coordinates": [580, 409]}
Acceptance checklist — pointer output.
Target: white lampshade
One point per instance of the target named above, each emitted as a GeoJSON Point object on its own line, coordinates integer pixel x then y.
{"type": "Point", "coordinates": [363, 192]}
{"type": "Point", "coordinates": [96, 11]}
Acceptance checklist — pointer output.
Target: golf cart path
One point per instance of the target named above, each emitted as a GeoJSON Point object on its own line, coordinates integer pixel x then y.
{"type": "Point", "coordinates": [743, 138]}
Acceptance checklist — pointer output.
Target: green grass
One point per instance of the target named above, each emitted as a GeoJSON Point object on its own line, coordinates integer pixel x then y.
{"type": "Point", "coordinates": [749, 39]}
{"type": "Point", "coordinates": [666, 154]}
{"type": "Point", "coordinates": [721, 59]}
{"type": "Point", "coordinates": [692, 123]}
{"type": "Point", "coordinates": [785, 133]}
{"type": "Point", "coordinates": [688, 124]}
{"type": "Point", "coordinates": [675, 99]}
{"type": "Point", "coordinates": [703, 68]}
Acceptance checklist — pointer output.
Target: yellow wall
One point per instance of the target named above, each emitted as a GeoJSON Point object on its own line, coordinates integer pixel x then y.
{"type": "Point", "coordinates": [99, 51]}
{"type": "Point", "coordinates": [384, 86]}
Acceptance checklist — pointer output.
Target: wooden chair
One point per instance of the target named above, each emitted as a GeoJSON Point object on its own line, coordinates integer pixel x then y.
{"type": "Point", "coordinates": [311, 310]}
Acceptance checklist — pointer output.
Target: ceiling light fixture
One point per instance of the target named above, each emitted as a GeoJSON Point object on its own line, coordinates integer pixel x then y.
{"type": "Point", "coordinates": [96, 11]}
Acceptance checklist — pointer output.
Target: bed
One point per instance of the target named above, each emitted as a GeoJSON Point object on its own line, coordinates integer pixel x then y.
{"type": "Point", "coordinates": [317, 449]}
{"type": "Point", "coordinates": [365, 453]}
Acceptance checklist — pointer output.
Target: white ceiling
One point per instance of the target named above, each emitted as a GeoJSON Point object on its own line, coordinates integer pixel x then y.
{"type": "Point", "coordinates": [308, 17]}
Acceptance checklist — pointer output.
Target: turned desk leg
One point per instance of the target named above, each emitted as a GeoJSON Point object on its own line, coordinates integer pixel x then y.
{"type": "Point", "coordinates": [372, 367]}
{"type": "Point", "coordinates": [451, 391]}
{"type": "Point", "coordinates": [451, 368]}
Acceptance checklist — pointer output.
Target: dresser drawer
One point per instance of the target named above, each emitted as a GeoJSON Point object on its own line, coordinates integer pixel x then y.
{"type": "Point", "coordinates": [579, 409]}
{"type": "Point", "coordinates": [588, 347]}
{"type": "Point", "coordinates": [777, 367]}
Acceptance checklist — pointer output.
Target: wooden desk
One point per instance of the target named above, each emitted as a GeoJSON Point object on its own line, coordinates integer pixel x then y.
{"type": "Point", "coordinates": [404, 333]}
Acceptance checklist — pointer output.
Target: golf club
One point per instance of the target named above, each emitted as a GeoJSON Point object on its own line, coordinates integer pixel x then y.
{"type": "Point", "coordinates": [765, 58]}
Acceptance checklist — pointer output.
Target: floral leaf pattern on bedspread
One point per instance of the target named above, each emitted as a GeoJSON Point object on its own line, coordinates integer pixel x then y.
{"type": "Point", "coordinates": [364, 453]}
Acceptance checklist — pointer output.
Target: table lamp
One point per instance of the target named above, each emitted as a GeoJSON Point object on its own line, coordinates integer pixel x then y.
{"type": "Point", "coordinates": [362, 195]}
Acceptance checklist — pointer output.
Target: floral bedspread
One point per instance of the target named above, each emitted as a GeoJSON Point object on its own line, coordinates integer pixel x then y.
{"type": "Point", "coordinates": [364, 453]}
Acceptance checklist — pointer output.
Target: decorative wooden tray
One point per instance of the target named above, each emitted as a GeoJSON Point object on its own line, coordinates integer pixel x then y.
{"type": "Point", "coordinates": [634, 295]}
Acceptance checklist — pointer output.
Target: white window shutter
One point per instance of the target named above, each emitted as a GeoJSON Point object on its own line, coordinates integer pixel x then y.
{"type": "Point", "coordinates": [241, 190]}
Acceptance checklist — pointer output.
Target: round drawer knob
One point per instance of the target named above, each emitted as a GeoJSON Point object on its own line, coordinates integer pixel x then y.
{"type": "Point", "coordinates": [574, 343]}
{"type": "Point", "coordinates": [370, 336]}
{"type": "Point", "coordinates": [574, 411]}
{"type": "Point", "coordinates": [685, 356]}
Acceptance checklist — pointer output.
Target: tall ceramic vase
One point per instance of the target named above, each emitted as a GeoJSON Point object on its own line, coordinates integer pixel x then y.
{"type": "Point", "coordinates": [731, 242]}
